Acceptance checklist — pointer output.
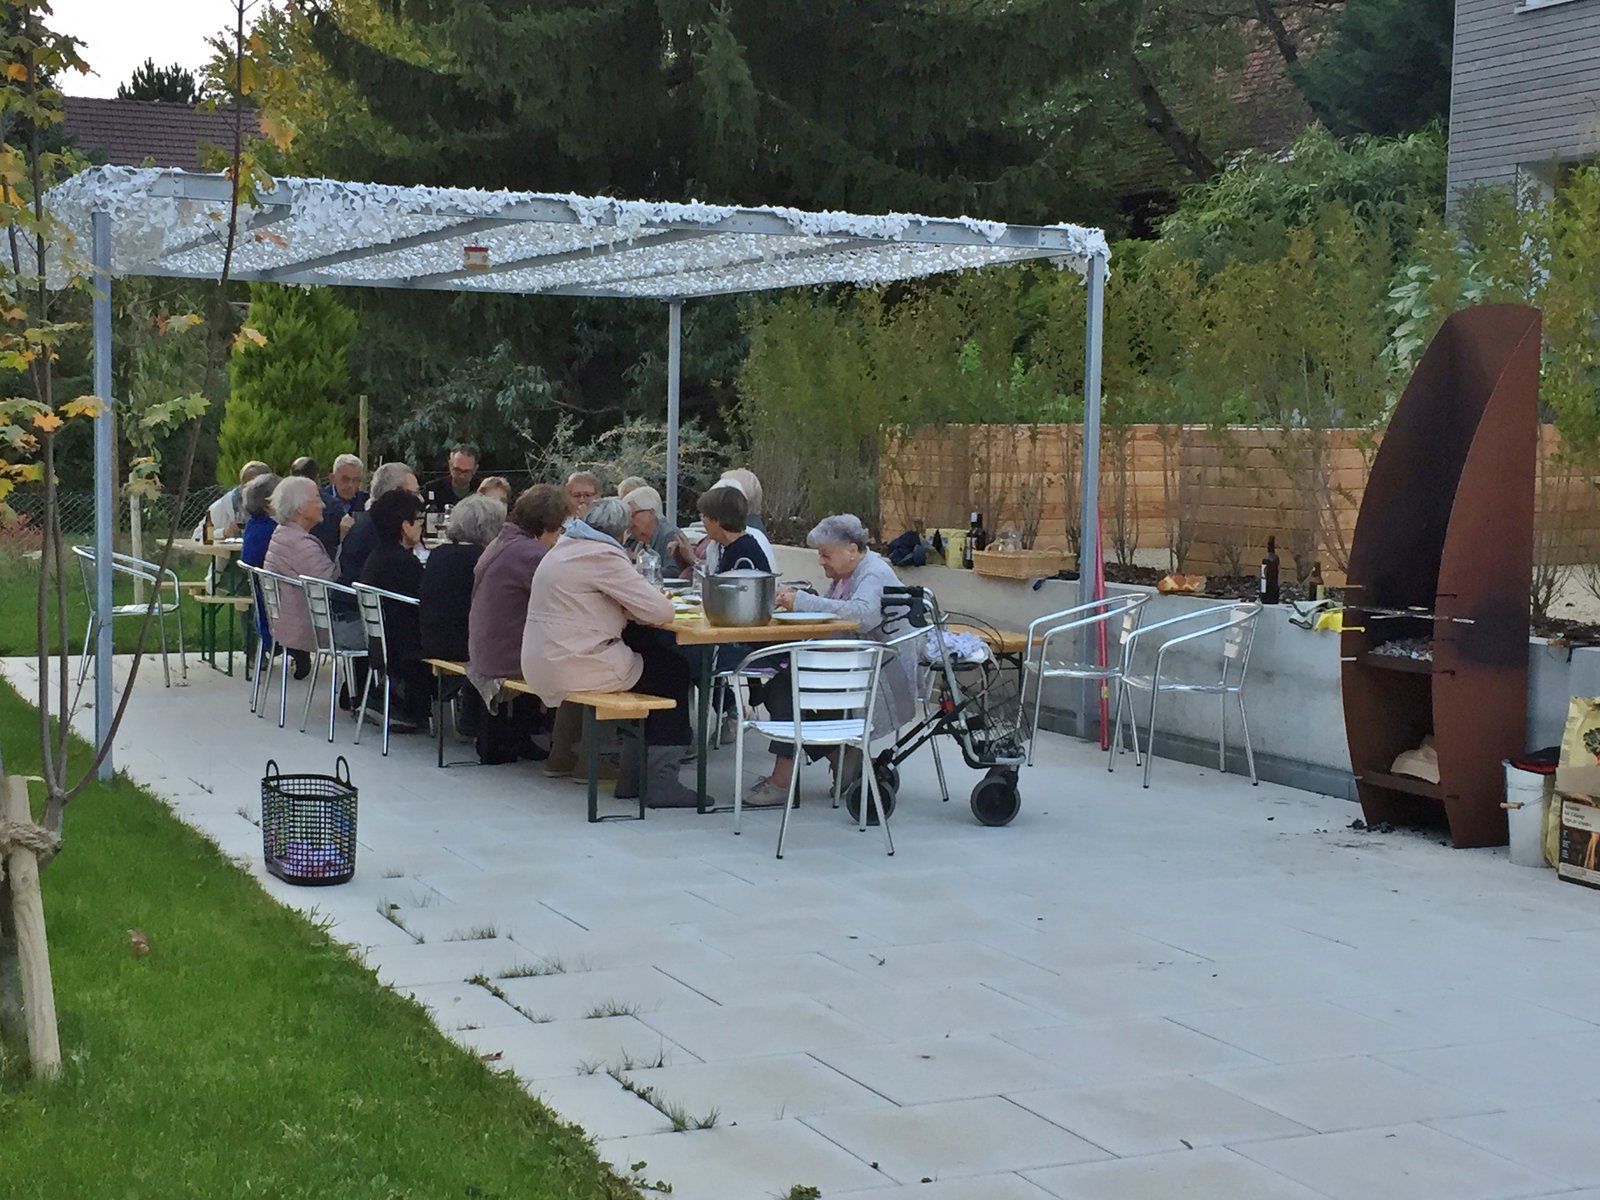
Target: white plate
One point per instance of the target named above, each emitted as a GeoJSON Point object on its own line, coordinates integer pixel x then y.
{"type": "Point", "coordinates": [808, 617]}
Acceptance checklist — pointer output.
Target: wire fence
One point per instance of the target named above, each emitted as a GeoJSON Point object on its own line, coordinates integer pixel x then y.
{"type": "Point", "coordinates": [157, 517]}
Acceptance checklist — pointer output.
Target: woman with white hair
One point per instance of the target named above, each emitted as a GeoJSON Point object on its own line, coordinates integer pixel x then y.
{"type": "Point", "coordinates": [447, 579]}
{"type": "Point", "coordinates": [589, 630]}
{"type": "Point", "coordinates": [647, 526]}
{"type": "Point", "coordinates": [295, 551]}
{"type": "Point", "coordinates": [859, 576]}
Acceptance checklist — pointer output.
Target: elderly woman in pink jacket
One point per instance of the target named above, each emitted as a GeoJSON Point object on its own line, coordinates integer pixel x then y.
{"type": "Point", "coordinates": [589, 623]}
{"type": "Point", "coordinates": [294, 551]}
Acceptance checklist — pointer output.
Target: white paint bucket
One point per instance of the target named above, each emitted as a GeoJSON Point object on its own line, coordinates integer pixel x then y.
{"type": "Point", "coordinates": [1524, 805]}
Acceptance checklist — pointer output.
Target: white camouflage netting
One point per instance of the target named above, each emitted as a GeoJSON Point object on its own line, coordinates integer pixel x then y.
{"type": "Point", "coordinates": [328, 232]}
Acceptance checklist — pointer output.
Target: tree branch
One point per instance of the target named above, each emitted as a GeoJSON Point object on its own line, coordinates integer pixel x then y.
{"type": "Point", "coordinates": [1160, 119]}
{"type": "Point", "coordinates": [1268, 16]}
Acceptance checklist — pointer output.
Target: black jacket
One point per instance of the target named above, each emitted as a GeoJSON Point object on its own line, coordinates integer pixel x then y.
{"type": "Point", "coordinates": [358, 543]}
{"type": "Point", "coordinates": [447, 600]}
{"type": "Point", "coordinates": [395, 569]}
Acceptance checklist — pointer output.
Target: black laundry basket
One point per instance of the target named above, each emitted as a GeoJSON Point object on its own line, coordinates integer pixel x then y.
{"type": "Point", "coordinates": [308, 826]}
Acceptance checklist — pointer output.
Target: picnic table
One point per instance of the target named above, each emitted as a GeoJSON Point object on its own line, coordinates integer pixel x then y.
{"type": "Point", "coordinates": [222, 588]}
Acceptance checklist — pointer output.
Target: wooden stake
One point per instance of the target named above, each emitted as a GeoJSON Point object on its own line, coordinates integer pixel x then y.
{"type": "Point", "coordinates": [361, 433]}
{"type": "Point", "coordinates": [27, 907]}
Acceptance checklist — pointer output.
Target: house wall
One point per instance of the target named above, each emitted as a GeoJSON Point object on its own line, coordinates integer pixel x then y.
{"type": "Point", "coordinates": [1525, 88]}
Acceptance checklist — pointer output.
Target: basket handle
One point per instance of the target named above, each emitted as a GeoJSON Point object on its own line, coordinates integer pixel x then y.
{"type": "Point", "coordinates": [272, 766]}
{"type": "Point", "coordinates": [341, 771]}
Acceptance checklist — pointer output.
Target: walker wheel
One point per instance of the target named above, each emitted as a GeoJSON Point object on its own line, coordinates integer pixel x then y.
{"type": "Point", "coordinates": [996, 800]}
{"type": "Point", "coordinates": [852, 800]}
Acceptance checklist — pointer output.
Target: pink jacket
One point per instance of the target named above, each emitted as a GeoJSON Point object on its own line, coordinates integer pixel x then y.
{"type": "Point", "coordinates": [583, 593]}
{"type": "Point", "coordinates": [295, 552]}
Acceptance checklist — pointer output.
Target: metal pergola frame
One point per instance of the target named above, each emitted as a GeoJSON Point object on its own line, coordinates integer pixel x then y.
{"type": "Point", "coordinates": [331, 233]}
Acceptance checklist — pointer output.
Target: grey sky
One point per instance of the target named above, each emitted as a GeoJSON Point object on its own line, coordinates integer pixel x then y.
{"type": "Point", "coordinates": [118, 35]}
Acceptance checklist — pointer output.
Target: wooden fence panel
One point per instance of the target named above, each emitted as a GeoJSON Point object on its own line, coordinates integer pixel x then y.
{"type": "Point", "coordinates": [1212, 496]}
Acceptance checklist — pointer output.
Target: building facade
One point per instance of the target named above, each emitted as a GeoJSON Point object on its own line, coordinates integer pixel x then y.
{"type": "Point", "coordinates": [1525, 91]}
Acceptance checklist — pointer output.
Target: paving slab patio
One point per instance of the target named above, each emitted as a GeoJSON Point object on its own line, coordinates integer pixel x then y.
{"type": "Point", "coordinates": [1201, 989]}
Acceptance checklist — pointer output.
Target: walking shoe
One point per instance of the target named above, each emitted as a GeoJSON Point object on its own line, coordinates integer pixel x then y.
{"type": "Point", "coordinates": [609, 767]}
{"type": "Point", "coordinates": [664, 790]}
{"type": "Point", "coordinates": [730, 729]}
{"type": "Point", "coordinates": [764, 793]}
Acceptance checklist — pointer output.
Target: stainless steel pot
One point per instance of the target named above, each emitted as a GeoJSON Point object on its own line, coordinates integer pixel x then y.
{"type": "Point", "coordinates": [740, 597]}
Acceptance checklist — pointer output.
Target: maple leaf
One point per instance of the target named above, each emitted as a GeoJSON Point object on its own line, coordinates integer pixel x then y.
{"type": "Point", "coordinates": [182, 322]}
{"type": "Point", "coordinates": [17, 71]}
{"type": "Point", "coordinates": [48, 422]}
{"type": "Point", "coordinates": [83, 406]}
{"type": "Point", "coordinates": [250, 334]}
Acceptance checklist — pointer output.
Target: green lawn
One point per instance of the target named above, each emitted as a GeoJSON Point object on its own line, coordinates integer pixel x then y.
{"type": "Point", "coordinates": [247, 1055]}
{"type": "Point", "coordinates": [19, 581]}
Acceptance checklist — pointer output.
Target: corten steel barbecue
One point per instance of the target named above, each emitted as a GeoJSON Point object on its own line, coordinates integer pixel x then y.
{"type": "Point", "coordinates": [1443, 549]}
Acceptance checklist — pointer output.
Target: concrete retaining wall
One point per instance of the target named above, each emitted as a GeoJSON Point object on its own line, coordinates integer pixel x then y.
{"type": "Point", "coordinates": [1292, 699]}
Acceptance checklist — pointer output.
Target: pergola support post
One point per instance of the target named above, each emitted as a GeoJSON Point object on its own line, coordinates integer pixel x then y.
{"type": "Point", "coordinates": [674, 399]}
{"type": "Point", "coordinates": [1091, 577]}
{"type": "Point", "coordinates": [105, 508]}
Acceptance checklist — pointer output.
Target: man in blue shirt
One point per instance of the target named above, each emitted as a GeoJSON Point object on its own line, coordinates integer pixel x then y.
{"type": "Point", "coordinates": [342, 499]}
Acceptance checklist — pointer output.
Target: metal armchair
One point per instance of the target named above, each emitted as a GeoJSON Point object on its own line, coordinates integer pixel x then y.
{"type": "Point", "coordinates": [371, 601]}
{"type": "Point", "coordinates": [1234, 626]}
{"type": "Point", "coordinates": [322, 596]}
{"type": "Point", "coordinates": [1118, 615]}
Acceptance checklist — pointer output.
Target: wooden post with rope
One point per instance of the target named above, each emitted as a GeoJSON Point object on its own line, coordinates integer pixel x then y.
{"type": "Point", "coordinates": [21, 844]}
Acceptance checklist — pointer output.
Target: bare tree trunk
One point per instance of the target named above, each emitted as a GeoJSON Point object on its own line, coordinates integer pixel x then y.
{"type": "Point", "coordinates": [1159, 118]}
{"type": "Point", "coordinates": [1273, 23]}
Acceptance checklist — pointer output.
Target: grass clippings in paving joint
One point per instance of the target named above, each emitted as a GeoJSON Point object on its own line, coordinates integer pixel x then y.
{"type": "Point", "coordinates": [247, 1054]}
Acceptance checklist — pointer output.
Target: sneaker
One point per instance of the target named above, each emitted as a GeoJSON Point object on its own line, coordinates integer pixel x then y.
{"type": "Point", "coordinates": [730, 730]}
{"type": "Point", "coordinates": [764, 793]}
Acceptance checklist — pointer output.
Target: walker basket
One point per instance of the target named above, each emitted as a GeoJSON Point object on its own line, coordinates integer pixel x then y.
{"type": "Point", "coordinates": [308, 826]}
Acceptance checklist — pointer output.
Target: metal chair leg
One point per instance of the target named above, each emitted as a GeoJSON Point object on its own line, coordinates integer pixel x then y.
{"type": "Point", "coordinates": [1222, 731]}
{"type": "Point", "coordinates": [333, 694]}
{"type": "Point", "coordinates": [938, 767]}
{"type": "Point", "coordinates": [388, 692]}
{"type": "Point", "coordinates": [1038, 703]}
{"type": "Point", "coordinates": [738, 766]}
{"type": "Point", "coordinates": [1150, 732]}
{"type": "Point", "coordinates": [311, 688]}
{"type": "Point", "coordinates": [283, 687]}
{"type": "Point", "coordinates": [1116, 727]}
{"type": "Point", "coordinates": [1249, 754]}
{"type": "Point", "coordinates": [869, 779]}
{"type": "Point", "coordinates": [788, 804]}
{"type": "Point", "coordinates": [183, 655]}
{"type": "Point", "coordinates": [361, 712]}
{"type": "Point", "coordinates": [166, 670]}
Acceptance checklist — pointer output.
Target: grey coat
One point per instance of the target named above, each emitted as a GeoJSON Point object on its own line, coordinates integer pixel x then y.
{"type": "Point", "coordinates": [859, 597]}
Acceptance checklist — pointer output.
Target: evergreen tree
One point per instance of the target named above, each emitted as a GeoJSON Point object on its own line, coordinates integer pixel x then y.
{"type": "Point", "coordinates": [1387, 69]}
{"type": "Point", "coordinates": [291, 395]}
{"type": "Point", "coordinates": [860, 104]}
{"type": "Point", "coordinates": [169, 85]}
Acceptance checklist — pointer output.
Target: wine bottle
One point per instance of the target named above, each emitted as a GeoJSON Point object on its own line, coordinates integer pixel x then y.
{"type": "Point", "coordinates": [1269, 573]}
{"type": "Point", "coordinates": [974, 534]}
{"type": "Point", "coordinates": [1316, 589]}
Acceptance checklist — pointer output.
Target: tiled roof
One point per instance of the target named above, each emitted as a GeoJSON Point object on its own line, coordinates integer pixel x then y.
{"type": "Point", "coordinates": [129, 133]}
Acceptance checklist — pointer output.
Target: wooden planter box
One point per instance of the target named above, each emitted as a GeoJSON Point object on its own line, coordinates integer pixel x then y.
{"type": "Point", "coordinates": [1017, 564]}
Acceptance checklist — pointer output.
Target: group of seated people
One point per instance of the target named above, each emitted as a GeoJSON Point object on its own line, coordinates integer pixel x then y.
{"type": "Point", "coordinates": [546, 591]}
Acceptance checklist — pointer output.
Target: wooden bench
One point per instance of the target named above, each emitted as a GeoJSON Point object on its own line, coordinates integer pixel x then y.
{"type": "Point", "coordinates": [597, 706]}
{"type": "Point", "coordinates": [613, 706]}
